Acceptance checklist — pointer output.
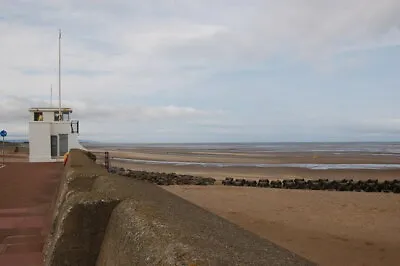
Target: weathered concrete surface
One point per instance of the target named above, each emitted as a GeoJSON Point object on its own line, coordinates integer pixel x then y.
{"type": "Point", "coordinates": [110, 220]}
{"type": "Point", "coordinates": [154, 227]}
{"type": "Point", "coordinates": [79, 176]}
{"type": "Point", "coordinates": [73, 205]}
{"type": "Point", "coordinates": [80, 229]}
{"type": "Point", "coordinates": [75, 181]}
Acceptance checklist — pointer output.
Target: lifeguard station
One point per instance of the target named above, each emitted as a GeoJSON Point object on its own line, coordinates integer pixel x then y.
{"type": "Point", "coordinates": [52, 135]}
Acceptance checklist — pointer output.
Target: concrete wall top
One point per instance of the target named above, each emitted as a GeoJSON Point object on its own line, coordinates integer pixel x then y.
{"type": "Point", "coordinates": [104, 219]}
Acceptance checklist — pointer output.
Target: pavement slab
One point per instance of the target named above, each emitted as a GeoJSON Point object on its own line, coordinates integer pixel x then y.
{"type": "Point", "coordinates": [26, 191]}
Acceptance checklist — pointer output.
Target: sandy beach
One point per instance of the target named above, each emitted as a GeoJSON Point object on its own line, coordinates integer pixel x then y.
{"type": "Point", "coordinates": [328, 227]}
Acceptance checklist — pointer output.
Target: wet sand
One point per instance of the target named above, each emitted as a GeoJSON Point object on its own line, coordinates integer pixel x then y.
{"type": "Point", "coordinates": [184, 155]}
{"type": "Point", "coordinates": [257, 173]}
{"type": "Point", "coordinates": [187, 155]}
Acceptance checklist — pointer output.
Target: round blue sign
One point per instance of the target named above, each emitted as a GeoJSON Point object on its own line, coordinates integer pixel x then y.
{"type": "Point", "coordinates": [3, 133]}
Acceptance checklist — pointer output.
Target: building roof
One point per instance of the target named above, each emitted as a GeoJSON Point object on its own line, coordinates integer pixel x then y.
{"type": "Point", "coordinates": [49, 109]}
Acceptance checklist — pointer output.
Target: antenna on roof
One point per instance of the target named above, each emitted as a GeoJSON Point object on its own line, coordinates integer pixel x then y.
{"type": "Point", "coordinates": [51, 95]}
{"type": "Point", "coordinates": [59, 75]}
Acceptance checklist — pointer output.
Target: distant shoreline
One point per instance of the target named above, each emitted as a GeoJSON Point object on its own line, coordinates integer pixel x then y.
{"type": "Point", "coordinates": [373, 161]}
{"type": "Point", "coordinates": [293, 165]}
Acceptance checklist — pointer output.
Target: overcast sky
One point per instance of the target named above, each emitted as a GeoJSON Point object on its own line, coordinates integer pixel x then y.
{"type": "Point", "coordinates": [200, 70]}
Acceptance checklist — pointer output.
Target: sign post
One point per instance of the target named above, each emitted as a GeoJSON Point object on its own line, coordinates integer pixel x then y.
{"type": "Point", "coordinates": [3, 134]}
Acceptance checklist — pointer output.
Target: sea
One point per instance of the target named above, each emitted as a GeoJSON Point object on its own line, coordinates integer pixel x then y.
{"type": "Point", "coordinates": [383, 148]}
{"type": "Point", "coordinates": [370, 148]}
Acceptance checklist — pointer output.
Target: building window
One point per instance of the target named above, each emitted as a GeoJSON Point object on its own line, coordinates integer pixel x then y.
{"type": "Point", "coordinates": [64, 116]}
{"type": "Point", "coordinates": [56, 116]}
{"type": "Point", "coordinates": [38, 116]}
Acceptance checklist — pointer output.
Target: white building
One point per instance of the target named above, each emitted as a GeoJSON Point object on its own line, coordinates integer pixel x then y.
{"type": "Point", "coordinates": [50, 138]}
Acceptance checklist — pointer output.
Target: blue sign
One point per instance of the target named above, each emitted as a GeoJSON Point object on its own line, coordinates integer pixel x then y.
{"type": "Point", "coordinates": [3, 133]}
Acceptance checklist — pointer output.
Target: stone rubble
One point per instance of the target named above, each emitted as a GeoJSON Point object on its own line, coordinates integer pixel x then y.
{"type": "Point", "coordinates": [164, 179]}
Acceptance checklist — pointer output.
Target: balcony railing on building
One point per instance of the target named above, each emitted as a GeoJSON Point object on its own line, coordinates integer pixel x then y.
{"type": "Point", "coordinates": [75, 126]}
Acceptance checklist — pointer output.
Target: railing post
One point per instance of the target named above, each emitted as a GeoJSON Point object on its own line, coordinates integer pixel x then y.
{"type": "Point", "coordinates": [107, 160]}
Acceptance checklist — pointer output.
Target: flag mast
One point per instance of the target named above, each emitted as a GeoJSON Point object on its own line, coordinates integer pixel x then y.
{"type": "Point", "coordinates": [59, 75]}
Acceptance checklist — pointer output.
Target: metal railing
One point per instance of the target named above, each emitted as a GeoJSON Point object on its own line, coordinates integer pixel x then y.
{"type": "Point", "coordinates": [75, 126]}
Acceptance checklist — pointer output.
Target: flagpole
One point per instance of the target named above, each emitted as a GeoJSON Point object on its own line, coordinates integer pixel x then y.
{"type": "Point", "coordinates": [51, 95]}
{"type": "Point", "coordinates": [59, 75]}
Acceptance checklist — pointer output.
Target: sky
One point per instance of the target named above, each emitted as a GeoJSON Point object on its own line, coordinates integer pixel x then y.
{"type": "Point", "coordinates": [205, 71]}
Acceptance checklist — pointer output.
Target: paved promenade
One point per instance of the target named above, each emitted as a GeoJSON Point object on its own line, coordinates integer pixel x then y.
{"type": "Point", "coordinates": [26, 191]}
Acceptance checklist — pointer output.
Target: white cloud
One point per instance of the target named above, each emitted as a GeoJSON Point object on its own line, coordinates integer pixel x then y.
{"type": "Point", "coordinates": [175, 123]}
{"type": "Point", "coordinates": [117, 53]}
{"type": "Point", "coordinates": [16, 116]}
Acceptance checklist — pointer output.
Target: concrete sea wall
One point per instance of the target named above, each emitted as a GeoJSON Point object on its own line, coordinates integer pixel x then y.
{"type": "Point", "coordinates": [104, 219]}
